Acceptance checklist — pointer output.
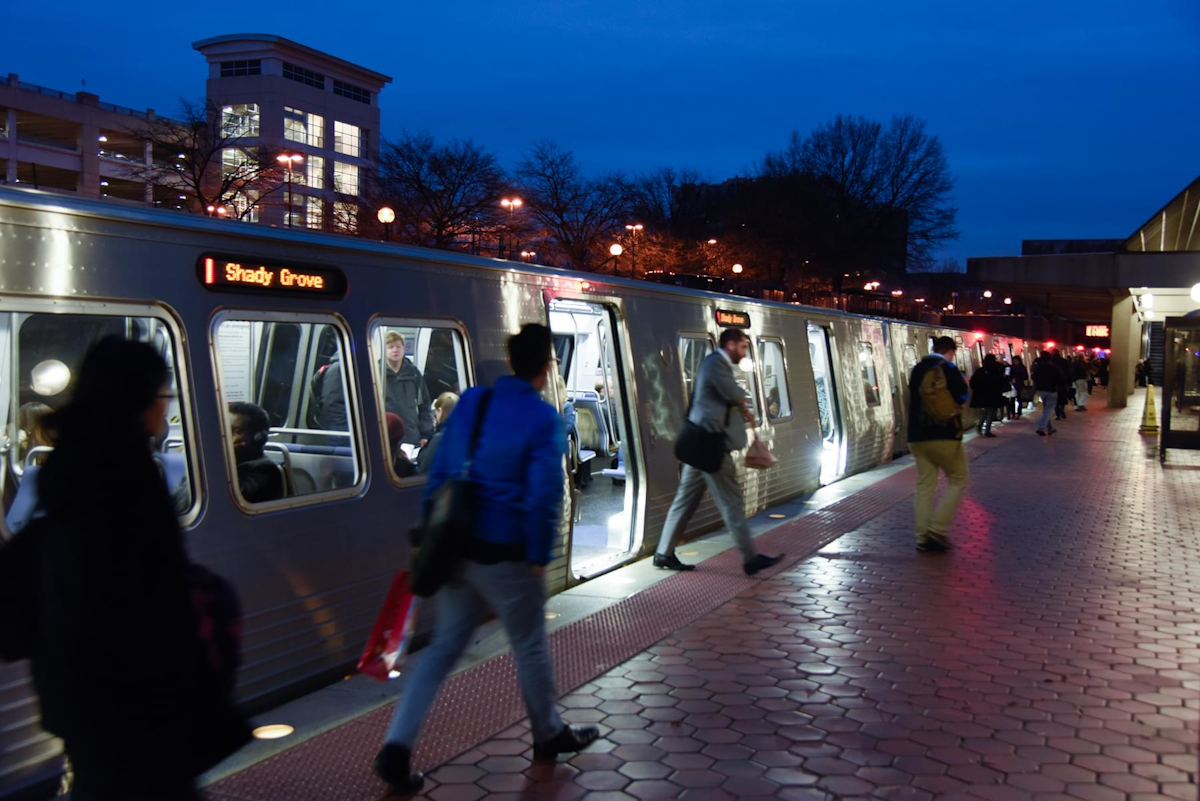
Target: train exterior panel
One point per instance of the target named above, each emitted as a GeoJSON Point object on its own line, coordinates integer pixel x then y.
{"type": "Point", "coordinates": [829, 394]}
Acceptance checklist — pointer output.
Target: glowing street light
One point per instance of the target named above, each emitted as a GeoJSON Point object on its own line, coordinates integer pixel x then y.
{"type": "Point", "coordinates": [1008, 301]}
{"type": "Point", "coordinates": [987, 293]}
{"type": "Point", "coordinates": [512, 204]}
{"type": "Point", "coordinates": [713, 242]}
{"type": "Point", "coordinates": [289, 160]}
{"type": "Point", "coordinates": [616, 250]}
{"type": "Point", "coordinates": [387, 216]}
{"type": "Point", "coordinates": [737, 269]}
{"type": "Point", "coordinates": [527, 255]}
{"type": "Point", "coordinates": [634, 229]}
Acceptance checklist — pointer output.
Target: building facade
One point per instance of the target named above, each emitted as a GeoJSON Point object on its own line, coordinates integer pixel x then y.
{"type": "Point", "coordinates": [279, 99]}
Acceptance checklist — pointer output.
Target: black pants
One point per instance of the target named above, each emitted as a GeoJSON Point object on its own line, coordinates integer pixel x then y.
{"type": "Point", "coordinates": [101, 775]}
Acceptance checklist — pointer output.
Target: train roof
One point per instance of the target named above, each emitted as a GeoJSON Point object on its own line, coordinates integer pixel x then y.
{"type": "Point", "coordinates": [165, 218]}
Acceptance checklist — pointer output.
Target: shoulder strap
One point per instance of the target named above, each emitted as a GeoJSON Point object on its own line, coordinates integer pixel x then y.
{"type": "Point", "coordinates": [477, 427]}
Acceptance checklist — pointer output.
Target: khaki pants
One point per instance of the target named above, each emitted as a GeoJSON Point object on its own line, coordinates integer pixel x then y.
{"type": "Point", "coordinates": [948, 456]}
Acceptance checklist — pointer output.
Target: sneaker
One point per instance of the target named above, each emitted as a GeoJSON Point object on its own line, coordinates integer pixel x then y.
{"type": "Point", "coordinates": [1053, 430]}
{"type": "Point", "coordinates": [567, 741]}
{"type": "Point", "coordinates": [934, 543]}
{"type": "Point", "coordinates": [393, 765]}
{"type": "Point", "coordinates": [671, 562]}
{"type": "Point", "coordinates": [760, 562]}
{"type": "Point", "coordinates": [1041, 433]}
{"type": "Point", "coordinates": [989, 434]}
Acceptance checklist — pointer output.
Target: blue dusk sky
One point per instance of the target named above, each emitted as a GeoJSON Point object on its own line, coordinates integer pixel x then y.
{"type": "Point", "coordinates": [1061, 118]}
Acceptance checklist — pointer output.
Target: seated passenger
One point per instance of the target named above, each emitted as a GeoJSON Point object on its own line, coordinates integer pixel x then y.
{"type": "Point", "coordinates": [400, 462]}
{"type": "Point", "coordinates": [259, 479]}
{"type": "Point", "coordinates": [31, 432]}
{"type": "Point", "coordinates": [442, 407]}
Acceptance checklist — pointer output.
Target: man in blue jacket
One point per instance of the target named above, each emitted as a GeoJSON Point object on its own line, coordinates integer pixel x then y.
{"type": "Point", "coordinates": [518, 472]}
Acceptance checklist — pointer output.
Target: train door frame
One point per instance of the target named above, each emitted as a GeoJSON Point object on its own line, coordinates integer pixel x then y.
{"type": "Point", "coordinates": [889, 345]}
{"type": "Point", "coordinates": [635, 459]}
{"type": "Point", "coordinates": [835, 468]}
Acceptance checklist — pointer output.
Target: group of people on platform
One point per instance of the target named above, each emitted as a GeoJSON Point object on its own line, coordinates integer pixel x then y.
{"type": "Point", "coordinates": [1006, 391]}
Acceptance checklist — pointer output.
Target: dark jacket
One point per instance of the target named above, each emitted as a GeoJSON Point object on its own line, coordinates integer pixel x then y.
{"type": "Point", "coordinates": [520, 493]}
{"type": "Point", "coordinates": [260, 480]}
{"type": "Point", "coordinates": [426, 455]}
{"type": "Point", "coordinates": [1064, 377]}
{"type": "Point", "coordinates": [1047, 377]}
{"type": "Point", "coordinates": [920, 429]}
{"type": "Point", "coordinates": [1079, 370]}
{"type": "Point", "coordinates": [988, 386]}
{"type": "Point", "coordinates": [1018, 374]}
{"type": "Point", "coordinates": [406, 396]}
{"type": "Point", "coordinates": [118, 658]}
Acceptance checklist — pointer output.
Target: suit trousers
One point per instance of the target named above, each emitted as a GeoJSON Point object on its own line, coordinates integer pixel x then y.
{"type": "Point", "coordinates": [728, 495]}
{"type": "Point", "coordinates": [948, 456]}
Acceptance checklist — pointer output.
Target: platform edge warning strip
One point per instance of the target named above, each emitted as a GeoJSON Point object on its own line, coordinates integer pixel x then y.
{"type": "Point", "coordinates": [484, 700]}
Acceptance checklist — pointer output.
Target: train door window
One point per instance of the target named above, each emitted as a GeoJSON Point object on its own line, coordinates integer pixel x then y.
{"type": "Point", "coordinates": [290, 415]}
{"type": "Point", "coordinates": [866, 366]}
{"type": "Point", "coordinates": [774, 376]}
{"type": "Point", "coordinates": [910, 357]}
{"type": "Point", "coordinates": [963, 359]}
{"type": "Point", "coordinates": [693, 350]}
{"type": "Point", "coordinates": [420, 369]}
{"type": "Point", "coordinates": [41, 353]}
{"type": "Point", "coordinates": [603, 459]}
{"type": "Point", "coordinates": [820, 352]}
{"type": "Point", "coordinates": [743, 373]}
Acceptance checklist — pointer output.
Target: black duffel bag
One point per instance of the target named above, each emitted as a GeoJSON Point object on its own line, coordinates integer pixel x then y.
{"type": "Point", "coordinates": [700, 448]}
{"type": "Point", "coordinates": [449, 526]}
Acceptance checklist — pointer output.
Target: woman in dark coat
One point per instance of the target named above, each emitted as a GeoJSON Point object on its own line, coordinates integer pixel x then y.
{"type": "Point", "coordinates": [118, 662]}
{"type": "Point", "coordinates": [1018, 375]}
{"type": "Point", "coordinates": [987, 392]}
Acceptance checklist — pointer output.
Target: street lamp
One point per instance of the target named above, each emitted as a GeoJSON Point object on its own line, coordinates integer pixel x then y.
{"type": "Point", "coordinates": [634, 229]}
{"type": "Point", "coordinates": [512, 204]}
{"type": "Point", "coordinates": [616, 250]}
{"type": "Point", "coordinates": [289, 159]}
{"type": "Point", "coordinates": [737, 269]}
{"type": "Point", "coordinates": [987, 293]}
{"type": "Point", "coordinates": [386, 216]}
{"type": "Point", "coordinates": [527, 255]}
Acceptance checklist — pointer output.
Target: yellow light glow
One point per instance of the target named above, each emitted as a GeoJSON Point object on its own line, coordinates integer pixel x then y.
{"type": "Point", "coordinates": [274, 731]}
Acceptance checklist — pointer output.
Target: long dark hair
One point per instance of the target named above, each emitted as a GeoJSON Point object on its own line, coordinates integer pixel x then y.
{"type": "Point", "coordinates": [100, 435]}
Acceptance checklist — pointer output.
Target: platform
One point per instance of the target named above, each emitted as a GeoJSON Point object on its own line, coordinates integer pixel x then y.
{"type": "Point", "coordinates": [1054, 655]}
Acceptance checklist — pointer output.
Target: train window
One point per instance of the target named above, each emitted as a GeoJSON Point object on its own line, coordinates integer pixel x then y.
{"type": "Point", "coordinates": [866, 364]}
{"type": "Point", "coordinates": [963, 359]}
{"type": "Point", "coordinates": [40, 355]}
{"type": "Point", "coordinates": [421, 368]}
{"type": "Point", "coordinates": [910, 356]}
{"type": "Point", "coordinates": [693, 350]}
{"type": "Point", "coordinates": [288, 402]}
{"type": "Point", "coordinates": [774, 375]}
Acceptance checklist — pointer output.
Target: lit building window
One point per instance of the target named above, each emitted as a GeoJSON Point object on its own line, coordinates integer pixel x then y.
{"type": "Point", "coordinates": [347, 138]}
{"type": "Point", "coordinates": [296, 213]}
{"type": "Point", "coordinates": [315, 172]}
{"type": "Point", "coordinates": [345, 178]}
{"type": "Point", "coordinates": [301, 75]}
{"type": "Point", "coordinates": [236, 69]}
{"type": "Point", "coordinates": [316, 212]}
{"type": "Point", "coordinates": [240, 119]}
{"type": "Point", "coordinates": [235, 163]}
{"type": "Point", "coordinates": [245, 205]}
{"type": "Point", "coordinates": [307, 129]}
{"type": "Point", "coordinates": [351, 91]}
{"type": "Point", "coordinates": [345, 216]}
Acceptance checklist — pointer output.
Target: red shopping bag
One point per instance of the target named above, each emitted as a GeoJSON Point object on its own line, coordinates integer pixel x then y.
{"type": "Point", "coordinates": [393, 628]}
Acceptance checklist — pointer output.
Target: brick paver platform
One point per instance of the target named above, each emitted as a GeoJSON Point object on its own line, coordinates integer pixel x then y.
{"type": "Point", "coordinates": [1054, 655]}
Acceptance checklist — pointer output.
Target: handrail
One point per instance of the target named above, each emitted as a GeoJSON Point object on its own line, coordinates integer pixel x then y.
{"type": "Point", "coordinates": [312, 432]}
{"type": "Point", "coordinates": [171, 442]}
{"type": "Point", "coordinates": [34, 451]}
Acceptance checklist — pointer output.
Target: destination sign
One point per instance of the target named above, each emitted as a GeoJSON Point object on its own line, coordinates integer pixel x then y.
{"type": "Point", "coordinates": [1096, 331]}
{"type": "Point", "coordinates": [231, 274]}
{"type": "Point", "coordinates": [732, 319]}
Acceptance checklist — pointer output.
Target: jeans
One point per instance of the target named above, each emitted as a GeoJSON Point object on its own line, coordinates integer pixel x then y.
{"type": "Point", "coordinates": [948, 456]}
{"type": "Point", "coordinates": [726, 492]}
{"type": "Point", "coordinates": [1049, 401]}
{"type": "Point", "coordinates": [989, 415]}
{"type": "Point", "coordinates": [518, 598]}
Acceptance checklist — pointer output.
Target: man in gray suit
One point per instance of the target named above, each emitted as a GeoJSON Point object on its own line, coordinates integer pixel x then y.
{"type": "Point", "coordinates": [718, 404]}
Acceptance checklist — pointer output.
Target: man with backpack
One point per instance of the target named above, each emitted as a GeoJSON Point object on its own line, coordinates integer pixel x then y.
{"type": "Point", "coordinates": [937, 391]}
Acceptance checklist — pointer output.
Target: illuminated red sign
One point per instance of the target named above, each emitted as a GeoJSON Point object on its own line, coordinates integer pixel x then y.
{"type": "Point", "coordinates": [1096, 331]}
{"type": "Point", "coordinates": [732, 319]}
{"type": "Point", "coordinates": [232, 274]}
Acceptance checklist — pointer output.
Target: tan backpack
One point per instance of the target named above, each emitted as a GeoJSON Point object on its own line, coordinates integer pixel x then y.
{"type": "Point", "coordinates": [937, 404]}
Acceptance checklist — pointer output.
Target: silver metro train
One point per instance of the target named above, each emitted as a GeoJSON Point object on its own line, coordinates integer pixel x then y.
{"type": "Point", "coordinates": [303, 326]}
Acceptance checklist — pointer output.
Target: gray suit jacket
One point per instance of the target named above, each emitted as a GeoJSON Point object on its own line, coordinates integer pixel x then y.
{"type": "Point", "coordinates": [715, 392]}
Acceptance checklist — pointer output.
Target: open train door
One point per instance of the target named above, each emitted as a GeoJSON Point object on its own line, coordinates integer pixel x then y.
{"type": "Point", "coordinates": [594, 363]}
{"type": "Point", "coordinates": [833, 440]}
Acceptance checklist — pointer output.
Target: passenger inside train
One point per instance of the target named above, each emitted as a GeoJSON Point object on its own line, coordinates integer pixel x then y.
{"type": "Point", "coordinates": [403, 466]}
{"type": "Point", "coordinates": [442, 408]}
{"type": "Point", "coordinates": [259, 479]}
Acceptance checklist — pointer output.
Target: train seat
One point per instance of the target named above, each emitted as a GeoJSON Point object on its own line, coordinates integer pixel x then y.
{"type": "Point", "coordinates": [617, 473]}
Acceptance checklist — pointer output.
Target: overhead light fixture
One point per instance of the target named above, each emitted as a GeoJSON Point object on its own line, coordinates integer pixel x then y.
{"type": "Point", "coordinates": [1196, 293]}
{"type": "Point", "coordinates": [101, 138]}
{"type": "Point", "coordinates": [1147, 301]}
{"type": "Point", "coordinates": [1148, 314]}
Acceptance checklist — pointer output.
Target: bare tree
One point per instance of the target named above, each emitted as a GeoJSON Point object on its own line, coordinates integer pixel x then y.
{"type": "Point", "coordinates": [441, 192]}
{"type": "Point", "coordinates": [578, 213]}
{"type": "Point", "coordinates": [881, 179]}
{"type": "Point", "coordinates": [203, 156]}
{"type": "Point", "coordinates": [946, 266]}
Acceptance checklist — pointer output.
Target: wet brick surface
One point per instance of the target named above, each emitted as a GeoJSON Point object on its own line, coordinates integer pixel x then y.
{"type": "Point", "coordinates": [1055, 655]}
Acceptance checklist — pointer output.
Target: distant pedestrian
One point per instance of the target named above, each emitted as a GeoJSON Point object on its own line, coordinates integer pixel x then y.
{"type": "Point", "coordinates": [987, 392]}
{"type": "Point", "coordinates": [1102, 373]}
{"type": "Point", "coordinates": [124, 674]}
{"type": "Point", "coordinates": [718, 405]}
{"type": "Point", "coordinates": [518, 500]}
{"type": "Point", "coordinates": [937, 391]}
{"type": "Point", "coordinates": [1019, 376]}
{"type": "Point", "coordinates": [1047, 379]}
{"type": "Point", "coordinates": [1079, 374]}
{"type": "Point", "coordinates": [1065, 386]}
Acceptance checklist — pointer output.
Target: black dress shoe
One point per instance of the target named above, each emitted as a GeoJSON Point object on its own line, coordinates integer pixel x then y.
{"type": "Point", "coordinates": [393, 765]}
{"type": "Point", "coordinates": [567, 741]}
{"type": "Point", "coordinates": [671, 562]}
{"type": "Point", "coordinates": [760, 562]}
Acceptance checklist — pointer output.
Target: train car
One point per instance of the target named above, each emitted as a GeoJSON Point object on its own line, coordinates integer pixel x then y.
{"type": "Point", "coordinates": [325, 333]}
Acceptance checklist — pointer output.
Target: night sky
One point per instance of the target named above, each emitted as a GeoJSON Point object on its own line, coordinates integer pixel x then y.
{"type": "Point", "coordinates": [1061, 118]}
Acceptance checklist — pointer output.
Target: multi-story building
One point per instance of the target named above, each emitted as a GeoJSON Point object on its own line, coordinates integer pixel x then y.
{"type": "Point", "coordinates": [318, 111]}
{"type": "Point", "coordinates": [278, 97]}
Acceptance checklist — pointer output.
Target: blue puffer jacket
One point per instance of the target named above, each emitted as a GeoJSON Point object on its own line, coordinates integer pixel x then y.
{"type": "Point", "coordinates": [518, 466]}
